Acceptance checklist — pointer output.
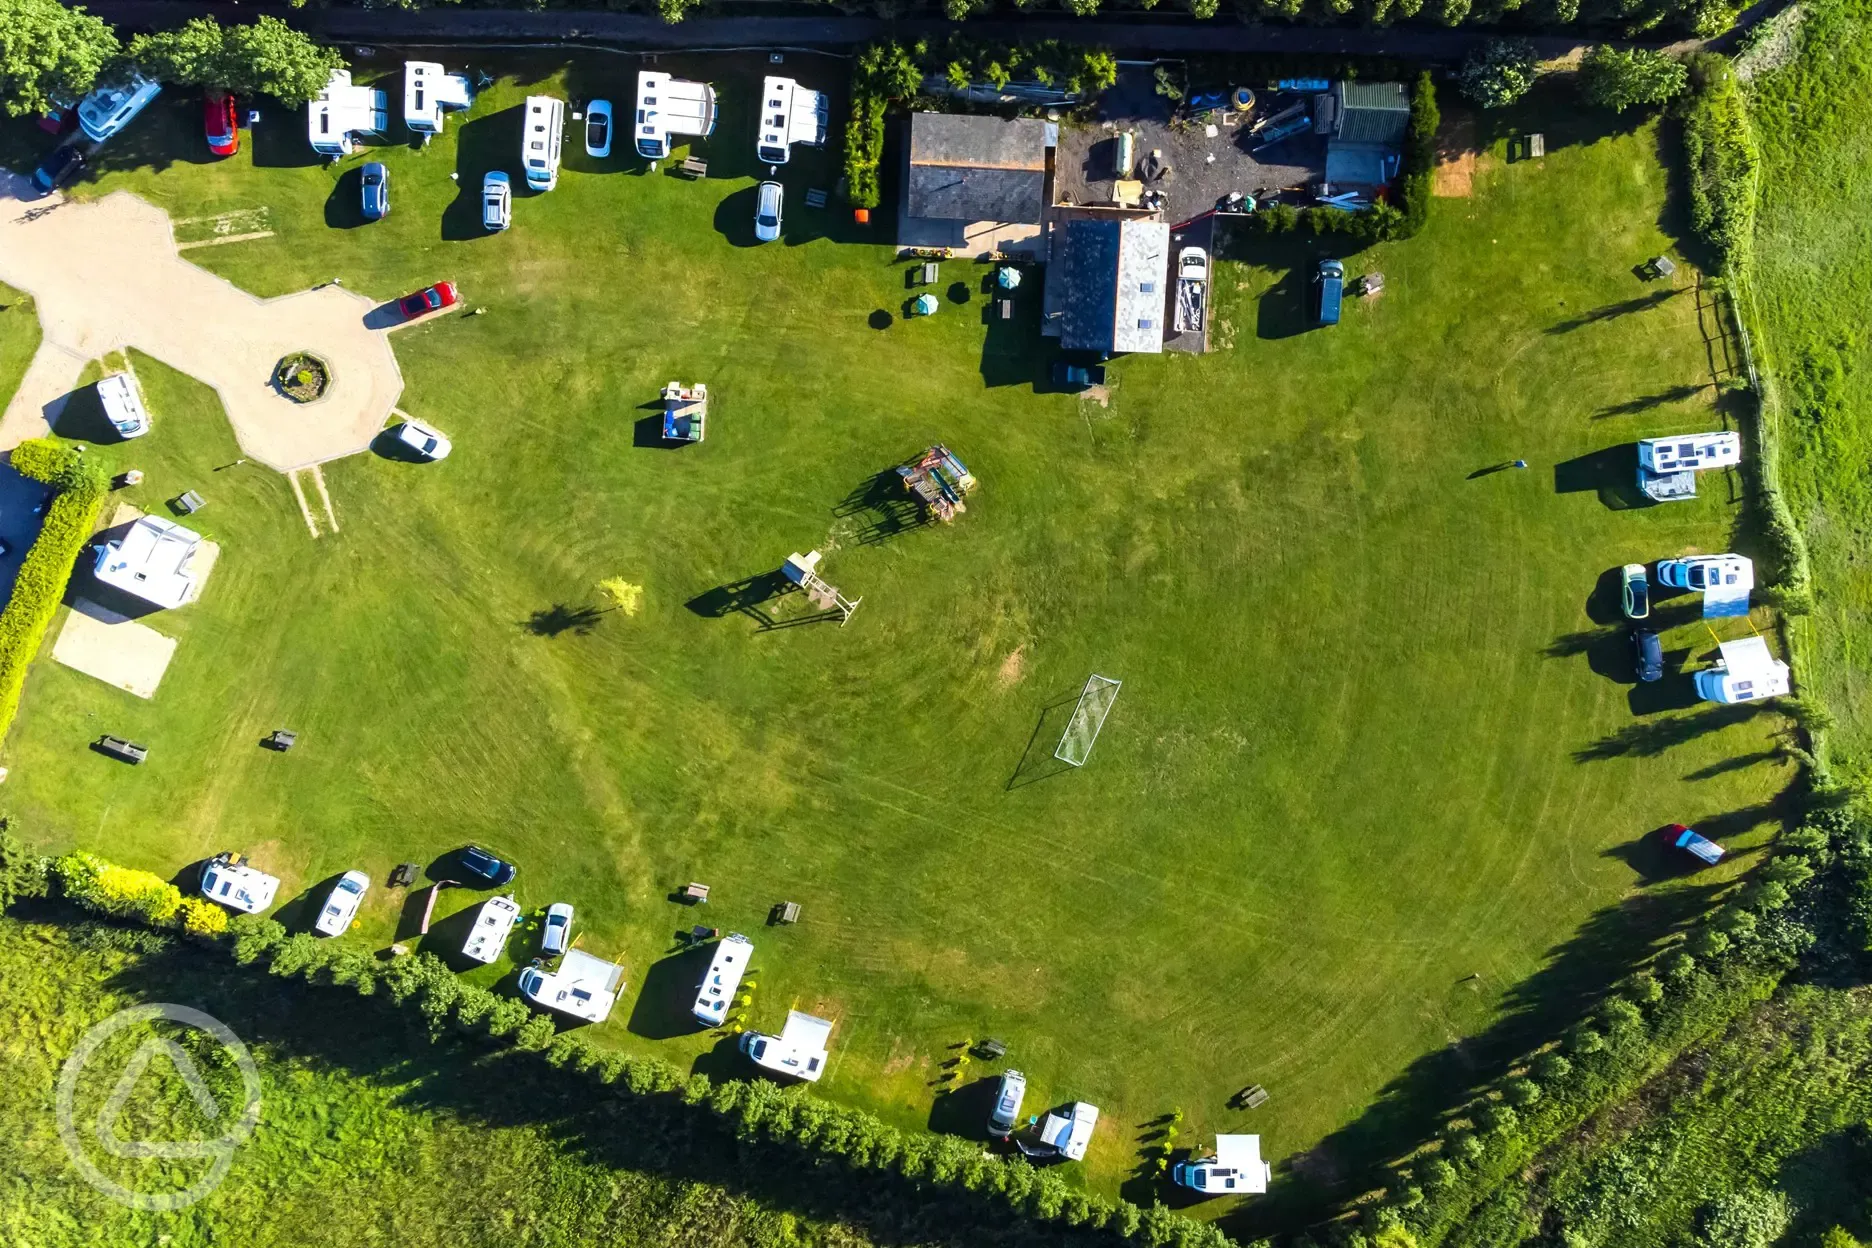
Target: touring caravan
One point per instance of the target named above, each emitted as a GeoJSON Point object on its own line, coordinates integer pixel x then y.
{"type": "Point", "coordinates": [1667, 467]}
{"type": "Point", "coordinates": [585, 986]}
{"type": "Point", "coordinates": [429, 92]}
{"type": "Point", "coordinates": [799, 1051]}
{"type": "Point", "coordinates": [723, 977]}
{"type": "Point", "coordinates": [1746, 671]}
{"type": "Point", "coordinates": [539, 141]}
{"type": "Point", "coordinates": [668, 107]}
{"type": "Point", "coordinates": [343, 111]}
{"type": "Point", "coordinates": [790, 114]}
{"type": "Point", "coordinates": [123, 406]}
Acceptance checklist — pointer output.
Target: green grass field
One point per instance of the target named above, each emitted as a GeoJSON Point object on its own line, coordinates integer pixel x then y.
{"type": "Point", "coordinates": [1813, 277]}
{"type": "Point", "coordinates": [1377, 780]}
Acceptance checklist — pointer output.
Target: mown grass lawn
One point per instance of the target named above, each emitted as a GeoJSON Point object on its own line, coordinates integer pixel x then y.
{"type": "Point", "coordinates": [1377, 779]}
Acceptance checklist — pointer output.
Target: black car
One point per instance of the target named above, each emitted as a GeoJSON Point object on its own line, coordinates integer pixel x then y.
{"type": "Point", "coordinates": [488, 870]}
{"type": "Point", "coordinates": [1647, 655]}
{"type": "Point", "coordinates": [59, 166]}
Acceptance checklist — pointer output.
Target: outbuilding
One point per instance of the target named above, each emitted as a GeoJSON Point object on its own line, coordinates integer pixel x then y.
{"type": "Point", "coordinates": [973, 180]}
{"type": "Point", "coordinates": [1112, 284]}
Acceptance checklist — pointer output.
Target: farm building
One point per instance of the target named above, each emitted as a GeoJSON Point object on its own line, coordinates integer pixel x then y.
{"type": "Point", "coordinates": [973, 182]}
{"type": "Point", "coordinates": [1109, 284]}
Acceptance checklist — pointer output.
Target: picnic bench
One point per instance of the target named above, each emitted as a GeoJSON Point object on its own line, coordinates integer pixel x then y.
{"type": "Point", "coordinates": [784, 912]}
{"type": "Point", "coordinates": [1660, 266]}
{"type": "Point", "coordinates": [403, 875]}
{"type": "Point", "coordinates": [281, 739]}
{"type": "Point", "coordinates": [1252, 1097]}
{"type": "Point", "coordinates": [693, 894]}
{"type": "Point", "coordinates": [119, 748]}
{"type": "Point", "coordinates": [991, 1050]}
{"type": "Point", "coordinates": [188, 502]}
{"type": "Point", "coordinates": [693, 167]}
{"type": "Point", "coordinates": [927, 273]}
{"type": "Point", "coordinates": [1005, 309]}
{"type": "Point", "coordinates": [816, 198]}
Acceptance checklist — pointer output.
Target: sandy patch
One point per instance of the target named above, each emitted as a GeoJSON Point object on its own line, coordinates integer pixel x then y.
{"type": "Point", "coordinates": [1453, 177]}
{"type": "Point", "coordinates": [113, 648]}
{"type": "Point", "coordinates": [1012, 668]}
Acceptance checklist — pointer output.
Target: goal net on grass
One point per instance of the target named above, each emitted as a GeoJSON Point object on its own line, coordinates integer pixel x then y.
{"type": "Point", "coordinates": [1095, 703]}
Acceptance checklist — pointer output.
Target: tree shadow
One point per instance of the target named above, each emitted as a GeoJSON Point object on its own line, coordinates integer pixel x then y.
{"type": "Point", "coordinates": [1741, 762]}
{"type": "Point", "coordinates": [1014, 351]}
{"type": "Point", "coordinates": [669, 985]}
{"type": "Point", "coordinates": [1612, 311]}
{"type": "Point", "coordinates": [278, 140]}
{"type": "Point", "coordinates": [1611, 473]}
{"type": "Point", "coordinates": [1037, 760]}
{"type": "Point", "coordinates": [1673, 693]}
{"type": "Point", "coordinates": [883, 507]}
{"type": "Point", "coordinates": [482, 144]}
{"type": "Point", "coordinates": [560, 618]}
{"type": "Point", "coordinates": [1647, 740]}
{"type": "Point", "coordinates": [882, 319]}
{"type": "Point", "coordinates": [1646, 402]}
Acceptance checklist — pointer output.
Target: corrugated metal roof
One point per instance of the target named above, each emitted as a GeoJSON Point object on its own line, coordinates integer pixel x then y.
{"type": "Point", "coordinates": [1372, 112]}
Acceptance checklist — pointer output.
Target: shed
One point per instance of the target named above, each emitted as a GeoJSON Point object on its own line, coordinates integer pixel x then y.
{"type": "Point", "coordinates": [1371, 112]}
{"type": "Point", "coordinates": [976, 168]}
{"type": "Point", "coordinates": [1112, 284]}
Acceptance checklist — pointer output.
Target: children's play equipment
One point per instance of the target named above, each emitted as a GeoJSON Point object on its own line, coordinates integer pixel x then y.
{"type": "Point", "coordinates": [938, 480]}
{"type": "Point", "coordinates": [1095, 703]}
{"type": "Point", "coordinates": [685, 409]}
{"type": "Point", "coordinates": [803, 571]}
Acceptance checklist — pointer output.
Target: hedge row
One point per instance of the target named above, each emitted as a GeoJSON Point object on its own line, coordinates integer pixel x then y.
{"type": "Point", "coordinates": [756, 1111]}
{"type": "Point", "coordinates": [70, 520]}
{"type": "Point", "coordinates": [1721, 164]}
{"type": "Point", "coordinates": [1737, 957]}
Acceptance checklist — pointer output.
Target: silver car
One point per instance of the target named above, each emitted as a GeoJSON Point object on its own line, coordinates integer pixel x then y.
{"type": "Point", "coordinates": [1006, 1113]}
{"type": "Point", "coordinates": [767, 198]}
{"type": "Point", "coordinates": [558, 934]}
{"type": "Point", "coordinates": [496, 201]}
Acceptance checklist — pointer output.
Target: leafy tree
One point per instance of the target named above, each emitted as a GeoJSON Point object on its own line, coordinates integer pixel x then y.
{"type": "Point", "coordinates": [1499, 73]}
{"type": "Point", "coordinates": [22, 873]}
{"type": "Point", "coordinates": [48, 51]}
{"type": "Point", "coordinates": [1618, 79]}
{"type": "Point", "coordinates": [266, 58]}
{"type": "Point", "coordinates": [1747, 1219]}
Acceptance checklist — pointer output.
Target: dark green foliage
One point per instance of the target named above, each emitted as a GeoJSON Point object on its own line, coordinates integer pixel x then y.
{"type": "Point", "coordinates": [1721, 165]}
{"type": "Point", "coordinates": [23, 874]}
{"type": "Point", "coordinates": [267, 57]}
{"type": "Point", "coordinates": [1622, 78]}
{"type": "Point", "coordinates": [1498, 73]}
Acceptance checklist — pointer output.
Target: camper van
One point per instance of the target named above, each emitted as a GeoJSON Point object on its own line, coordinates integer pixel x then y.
{"type": "Point", "coordinates": [667, 107]}
{"type": "Point", "coordinates": [1746, 671]}
{"type": "Point", "coordinates": [790, 114]}
{"type": "Point", "coordinates": [539, 141]}
{"type": "Point", "coordinates": [236, 885]}
{"type": "Point", "coordinates": [1235, 1167]}
{"type": "Point", "coordinates": [428, 93]}
{"type": "Point", "coordinates": [1331, 283]}
{"type": "Point", "coordinates": [584, 986]}
{"type": "Point", "coordinates": [343, 111]}
{"type": "Point", "coordinates": [1064, 1133]}
{"type": "Point", "coordinates": [723, 977]}
{"type": "Point", "coordinates": [1667, 467]}
{"type": "Point", "coordinates": [798, 1052]}
{"type": "Point", "coordinates": [123, 406]}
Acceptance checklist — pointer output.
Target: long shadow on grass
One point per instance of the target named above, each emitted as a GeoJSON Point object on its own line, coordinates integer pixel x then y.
{"type": "Point", "coordinates": [1646, 402]}
{"type": "Point", "coordinates": [1038, 761]}
{"type": "Point", "coordinates": [1612, 311]}
{"type": "Point", "coordinates": [368, 1038]}
{"type": "Point", "coordinates": [1652, 737]}
{"type": "Point", "coordinates": [883, 507]}
{"type": "Point", "coordinates": [1611, 473]}
{"type": "Point", "coordinates": [669, 989]}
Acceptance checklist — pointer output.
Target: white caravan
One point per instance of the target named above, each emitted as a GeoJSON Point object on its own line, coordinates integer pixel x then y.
{"type": "Point", "coordinates": [123, 406]}
{"type": "Point", "coordinates": [1064, 1133]}
{"type": "Point", "coordinates": [790, 114]}
{"type": "Point", "coordinates": [491, 928]}
{"type": "Point", "coordinates": [667, 107]}
{"type": "Point", "coordinates": [799, 1051]}
{"type": "Point", "coordinates": [343, 111]}
{"type": "Point", "coordinates": [1667, 467]}
{"type": "Point", "coordinates": [540, 137]}
{"type": "Point", "coordinates": [1746, 672]}
{"type": "Point", "coordinates": [429, 92]}
{"type": "Point", "coordinates": [724, 976]}
{"type": "Point", "coordinates": [584, 986]}
{"type": "Point", "coordinates": [1235, 1166]}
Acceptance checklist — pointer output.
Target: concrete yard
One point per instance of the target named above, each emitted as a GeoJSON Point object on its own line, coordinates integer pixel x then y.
{"type": "Point", "coordinates": [114, 648]}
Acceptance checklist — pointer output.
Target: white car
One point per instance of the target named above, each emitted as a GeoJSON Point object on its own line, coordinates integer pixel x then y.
{"type": "Point", "coordinates": [558, 933]}
{"type": "Point", "coordinates": [496, 201]}
{"type": "Point", "coordinates": [342, 906]}
{"type": "Point", "coordinates": [767, 200]}
{"type": "Point", "coordinates": [426, 442]}
{"type": "Point", "coordinates": [238, 887]}
{"type": "Point", "coordinates": [110, 108]}
{"type": "Point", "coordinates": [598, 128]}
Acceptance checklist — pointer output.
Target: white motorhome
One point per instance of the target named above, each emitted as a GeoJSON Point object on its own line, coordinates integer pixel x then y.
{"type": "Point", "coordinates": [1064, 1133]}
{"type": "Point", "coordinates": [1746, 672]}
{"type": "Point", "coordinates": [724, 976]}
{"type": "Point", "coordinates": [584, 986]}
{"type": "Point", "coordinates": [1235, 1166]}
{"type": "Point", "coordinates": [343, 111]}
{"type": "Point", "coordinates": [430, 92]}
{"type": "Point", "coordinates": [667, 107]}
{"type": "Point", "coordinates": [1667, 467]}
{"type": "Point", "coordinates": [540, 136]}
{"type": "Point", "coordinates": [237, 885]}
{"type": "Point", "coordinates": [799, 1051]}
{"type": "Point", "coordinates": [123, 406]}
{"type": "Point", "coordinates": [790, 114]}
{"type": "Point", "coordinates": [491, 928]}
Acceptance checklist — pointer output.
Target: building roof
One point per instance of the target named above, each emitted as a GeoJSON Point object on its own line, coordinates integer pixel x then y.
{"type": "Point", "coordinates": [975, 168]}
{"type": "Point", "coordinates": [1116, 274]}
{"type": "Point", "coordinates": [1372, 112]}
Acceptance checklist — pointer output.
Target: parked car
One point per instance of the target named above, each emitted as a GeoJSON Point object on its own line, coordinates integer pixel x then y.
{"type": "Point", "coordinates": [237, 885]}
{"type": "Point", "coordinates": [485, 868]}
{"type": "Point", "coordinates": [767, 199]}
{"type": "Point", "coordinates": [1077, 376]}
{"type": "Point", "coordinates": [1329, 282]}
{"type": "Point", "coordinates": [342, 905]}
{"type": "Point", "coordinates": [426, 442]}
{"type": "Point", "coordinates": [57, 167]}
{"type": "Point", "coordinates": [110, 108]}
{"type": "Point", "coordinates": [428, 299]}
{"type": "Point", "coordinates": [496, 200]}
{"type": "Point", "coordinates": [1647, 655]}
{"type": "Point", "coordinates": [598, 128]}
{"type": "Point", "coordinates": [1679, 837]}
{"type": "Point", "coordinates": [1005, 1116]}
{"type": "Point", "coordinates": [221, 122]}
{"type": "Point", "coordinates": [376, 197]}
{"type": "Point", "coordinates": [558, 934]}
{"type": "Point", "coordinates": [1637, 588]}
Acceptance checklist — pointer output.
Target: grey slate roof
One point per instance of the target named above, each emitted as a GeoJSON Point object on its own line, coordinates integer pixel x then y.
{"type": "Point", "coordinates": [972, 168]}
{"type": "Point", "coordinates": [1372, 112]}
{"type": "Point", "coordinates": [1115, 288]}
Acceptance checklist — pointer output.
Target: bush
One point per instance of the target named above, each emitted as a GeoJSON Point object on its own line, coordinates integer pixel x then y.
{"type": "Point", "coordinates": [1499, 73]}
{"type": "Point", "coordinates": [1618, 79]}
{"type": "Point", "coordinates": [120, 892]}
{"type": "Point", "coordinates": [1747, 1219]}
{"type": "Point", "coordinates": [200, 917]}
{"type": "Point", "coordinates": [22, 872]}
{"type": "Point", "coordinates": [1721, 164]}
{"type": "Point", "coordinates": [69, 523]}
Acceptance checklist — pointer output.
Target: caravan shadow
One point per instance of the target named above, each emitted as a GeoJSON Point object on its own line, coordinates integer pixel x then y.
{"type": "Point", "coordinates": [81, 418]}
{"type": "Point", "coordinates": [668, 990]}
{"type": "Point", "coordinates": [964, 1110]}
{"type": "Point", "coordinates": [1611, 473]}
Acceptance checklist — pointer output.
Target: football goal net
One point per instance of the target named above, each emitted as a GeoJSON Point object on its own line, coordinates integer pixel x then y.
{"type": "Point", "coordinates": [1095, 703]}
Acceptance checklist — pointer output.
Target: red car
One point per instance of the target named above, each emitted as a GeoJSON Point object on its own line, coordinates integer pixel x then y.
{"type": "Point", "coordinates": [431, 299]}
{"type": "Point", "coordinates": [221, 122]}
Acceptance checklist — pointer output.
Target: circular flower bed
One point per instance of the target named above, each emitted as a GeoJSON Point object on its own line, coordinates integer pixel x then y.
{"type": "Point", "coordinates": [302, 377]}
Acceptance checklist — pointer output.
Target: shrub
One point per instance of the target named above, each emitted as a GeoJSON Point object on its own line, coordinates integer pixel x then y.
{"type": "Point", "coordinates": [1721, 164]}
{"type": "Point", "coordinates": [37, 590]}
{"type": "Point", "coordinates": [1521, 1092]}
{"type": "Point", "coordinates": [254, 937]}
{"type": "Point", "coordinates": [1618, 79]}
{"type": "Point", "coordinates": [1747, 1219]}
{"type": "Point", "coordinates": [120, 892]}
{"type": "Point", "coordinates": [1498, 73]}
{"type": "Point", "coordinates": [22, 873]}
{"type": "Point", "coordinates": [200, 917]}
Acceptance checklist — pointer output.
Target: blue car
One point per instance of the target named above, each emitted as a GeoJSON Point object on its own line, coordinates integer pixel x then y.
{"type": "Point", "coordinates": [59, 166]}
{"type": "Point", "coordinates": [488, 870]}
{"type": "Point", "coordinates": [376, 191]}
